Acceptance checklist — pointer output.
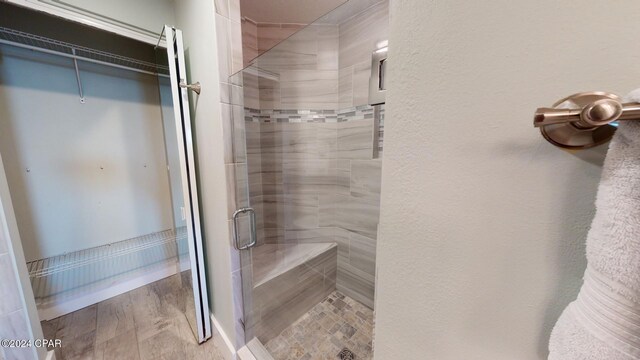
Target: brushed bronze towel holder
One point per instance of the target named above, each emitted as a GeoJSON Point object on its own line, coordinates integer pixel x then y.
{"type": "Point", "coordinates": [584, 120]}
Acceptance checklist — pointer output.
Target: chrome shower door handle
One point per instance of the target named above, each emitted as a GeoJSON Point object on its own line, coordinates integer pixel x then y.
{"type": "Point", "coordinates": [253, 238]}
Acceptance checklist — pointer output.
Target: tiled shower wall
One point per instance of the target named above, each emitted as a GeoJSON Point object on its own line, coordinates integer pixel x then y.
{"type": "Point", "coordinates": [360, 35]}
{"type": "Point", "coordinates": [319, 182]}
{"type": "Point", "coordinates": [230, 61]}
{"type": "Point", "coordinates": [314, 173]}
{"type": "Point", "coordinates": [260, 37]}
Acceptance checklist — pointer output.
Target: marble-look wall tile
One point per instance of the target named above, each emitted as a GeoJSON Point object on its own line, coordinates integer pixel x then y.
{"type": "Point", "coordinates": [249, 40]}
{"type": "Point", "coordinates": [355, 140]}
{"type": "Point", "coordinates": [343, 182]}
{"type": "Point", "coordinates": [237, 187]}
{"type": "Point", "coordinates": [269, 35]}
{"type": "Point", "coordinates": [327, 140]}
{"type": "Point", "coordinates": [342, 237]}
{"type": "Point", "coordinates": [237, 95]}
{"type": "Point", "coordinates": [309, 89]}
{"type": "Point", "coordinates": [328, 205]}
{"type": "Point", "coordinates": [345, 87]}
{"type": "Point", "coordinates": [271, 172]}
{"type": "Point", "coordinates": [361, 75]}
{"type": "Point", "coordinates": [344, 164]}
{"type": "Point", "coordinates": [273, 212]}
{"type": "Point", "coordinates": [359, 216]}
{"type": "Point", "coordinates": [320, 184]}
{"type": "Point", "coordinates": [239, 134]}
{"type": "Point", "coordinates": [251, 90]}
{"type": "Point", "coordinates": [235, 31]}
{"type": "Point", "coordinates": [226, 118]}
{"type": "Point", "coordinates": [356, 284]}
{"type": "Point", "coordinates": [300, 64]}
{"type": "Point", "coordinates": [230, 174]}
{"type": "Point", "coordinates": [361, 34]}
{"type": "Point", "coordinates": [310, 235]}
{"type": "Point", "coordinates": [288, 296]}
{"type": "Point", "coordinates": [362, 253]}
{"type": "Point", "coordinates": [242, 185]}
{"type": "Point", "coordinates": [274, 235]}
{"type": "Point", "coordinates": [349, 213]}
{"type": "Point", "coordinates": [269, 90]}
{"type": "Point", "coordinates": [255, 177]}
{"type": "Point", "coordinates": [294, 141]}
{"type": "Point", "coordinates": [225, 93]}
{"type": "Point", "coordinates": [223, 25]}
{"type": "Point", "coordinates": [235, 255]}
{"type": "Point", "coordinates": [253, 137]}
{"type": "Point", "coordinates": [315, 185]}
{"type": "Point", "coordinates": [300, 211]}
{"type": "Point", "coordinates": [310, 176]}
{"type": "Point", "coordinates": [297, 52]}
{"type": "Point", "coordinates": [241, 316]}
{"type": "Point", "coordinates": [365, 180]}
{"type": "Point", "coordinates": [327, 40]}
{"type": "Point", "coordinates": [271, 145]}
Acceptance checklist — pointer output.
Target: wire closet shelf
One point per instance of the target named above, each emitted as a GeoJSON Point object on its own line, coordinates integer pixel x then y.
{"type": "Point", "coordinates": [77, 52]}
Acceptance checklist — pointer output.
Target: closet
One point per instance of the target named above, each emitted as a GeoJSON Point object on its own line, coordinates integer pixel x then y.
{"type": "Point", "coordinates": [96, 162]}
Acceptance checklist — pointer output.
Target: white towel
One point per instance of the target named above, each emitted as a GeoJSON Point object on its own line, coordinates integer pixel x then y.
{"type": "Point", "coordinates": [604, 321]}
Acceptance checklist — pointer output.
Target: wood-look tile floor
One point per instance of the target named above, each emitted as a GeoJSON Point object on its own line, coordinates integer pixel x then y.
{"type": "Point", "coordinates": [336, 323]}
{"type": "Point", "coordinates": [145, 323]}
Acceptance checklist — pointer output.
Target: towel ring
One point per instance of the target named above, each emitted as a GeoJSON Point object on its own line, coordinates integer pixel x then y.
{"type": "Point", "coordinates": [591, 122]}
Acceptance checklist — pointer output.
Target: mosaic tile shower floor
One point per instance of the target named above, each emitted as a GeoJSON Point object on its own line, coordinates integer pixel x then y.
{"type": "Point", "coordinates": [336, 323]}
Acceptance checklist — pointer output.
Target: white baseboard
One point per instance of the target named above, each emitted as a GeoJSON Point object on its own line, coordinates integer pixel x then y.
{"type": "Point", "coordinates": [222, 340]}
{"type": "Point", "coordinates": [54, 309]}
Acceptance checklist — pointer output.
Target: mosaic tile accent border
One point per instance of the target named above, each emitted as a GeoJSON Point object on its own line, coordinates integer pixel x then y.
{"type": "Point", "coordinates": [355, 113]}
{"type": "Point", "coordinates": [318, 116]}
{"type": "Point", "coordinates": [310, 116]}
{"type": "Point", "coordinates": [290, 116]}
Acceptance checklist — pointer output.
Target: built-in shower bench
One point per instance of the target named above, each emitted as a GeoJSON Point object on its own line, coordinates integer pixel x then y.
{"type": "Point", "coordinates": [289, 280]}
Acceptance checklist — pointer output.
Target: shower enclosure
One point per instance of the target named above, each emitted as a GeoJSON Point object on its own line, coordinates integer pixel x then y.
{"type": "Point", "coordinates": [308, 145]}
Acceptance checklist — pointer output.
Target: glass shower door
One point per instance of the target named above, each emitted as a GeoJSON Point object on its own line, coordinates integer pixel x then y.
{"type": "Point", "coordinates": [182, 178]}
{"type": "Point", "coordinates": [307, 144]}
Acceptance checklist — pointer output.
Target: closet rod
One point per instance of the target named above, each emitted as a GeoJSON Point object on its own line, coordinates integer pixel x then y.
{"type": "Point", "coordinates": [76, 57]}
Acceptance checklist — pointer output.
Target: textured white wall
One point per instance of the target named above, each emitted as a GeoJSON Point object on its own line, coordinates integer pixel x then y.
{"type": "Point", "coordinates": [483, 222]}
{"type": "Point", "coordinates": [97, 171]}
